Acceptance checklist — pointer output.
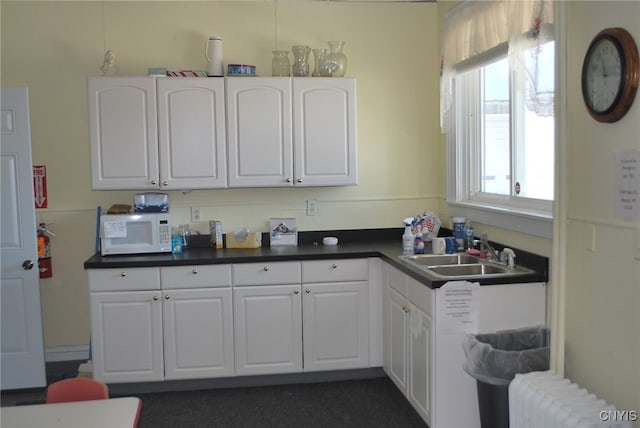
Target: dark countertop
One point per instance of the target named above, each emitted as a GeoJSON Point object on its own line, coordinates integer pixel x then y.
{"type": "Point", "coordinates": [383, 243]}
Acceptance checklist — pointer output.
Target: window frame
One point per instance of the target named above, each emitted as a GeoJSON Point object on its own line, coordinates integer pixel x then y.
{"type": "Point", "coordinates": [528, 215]}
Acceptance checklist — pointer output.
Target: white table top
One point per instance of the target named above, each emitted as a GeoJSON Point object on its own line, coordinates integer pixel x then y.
{"type": "Point", "coordinates": [111, 413]}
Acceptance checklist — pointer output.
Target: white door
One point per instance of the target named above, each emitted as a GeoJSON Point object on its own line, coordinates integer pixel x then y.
{"type": "Point", "coordinates": [198, 333]}
{"type": "Point", "coordinates": [22, 355]}
{"type": "Point", "coordinates": [268, 329]}
{"type": "Point", "coordinates": [324, 133]}
{"type": "Point", "coordinates": [191, 132]}
{"type": "Point", "coordinates": [123, 132]}
{"type": "Point", "coordinates": [126, 330]}
{"type": "Point", "coordinates": [336, 325]}
{"type": "Point", "coordinates": [259, 132]}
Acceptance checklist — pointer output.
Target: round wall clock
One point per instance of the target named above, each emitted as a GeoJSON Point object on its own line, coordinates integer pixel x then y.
{"type": "Point", "coordinates": [610, 75]}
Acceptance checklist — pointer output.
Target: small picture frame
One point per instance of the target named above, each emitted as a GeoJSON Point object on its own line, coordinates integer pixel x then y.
{"type": "Point", "coordinates": [283, 231]}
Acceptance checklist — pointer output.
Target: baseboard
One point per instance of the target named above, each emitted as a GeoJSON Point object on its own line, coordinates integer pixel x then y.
{"type": "Point", "coordinates": [66, 353]}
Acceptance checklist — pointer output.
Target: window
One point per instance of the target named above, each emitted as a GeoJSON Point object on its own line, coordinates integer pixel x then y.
{"type": "Point", "coordinates": [500, 127]}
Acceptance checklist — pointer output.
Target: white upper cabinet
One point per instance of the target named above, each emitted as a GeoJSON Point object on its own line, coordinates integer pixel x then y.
{"type": "Point", "coordinates": [259, 132]}
{"type": "Point", "coordinates": [123, 133]}
{"type": "Point", "coordinates": [324, 133]}
{"type": "Point", "coordinates": [191, 133]}
{"type": "Point", "coordinates": [291, 132]}
{"type": "Point", "coordinates": [149, 133]}
{"type": "Point", "coordinates": [205, 133]}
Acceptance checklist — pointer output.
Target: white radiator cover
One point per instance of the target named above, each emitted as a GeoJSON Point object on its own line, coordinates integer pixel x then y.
{"type": "Point", "coordinates": [547, 400]}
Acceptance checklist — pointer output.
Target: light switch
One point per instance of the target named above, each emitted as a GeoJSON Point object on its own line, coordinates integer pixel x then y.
{"type": "Point", "coordinates": [312, 206]}
{"type": "Point", "coordinates": [196, 214]}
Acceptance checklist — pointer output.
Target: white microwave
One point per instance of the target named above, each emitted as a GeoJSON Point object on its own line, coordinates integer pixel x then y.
{"type": "Point", "coordinates": [135, 233]}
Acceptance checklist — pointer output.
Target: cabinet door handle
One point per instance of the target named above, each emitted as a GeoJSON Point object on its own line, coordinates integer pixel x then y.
{"type": "Point", "coordinates": [154, 182]}
{"type": "Point", "coordinates": [155, 298]}
{"type": "Point", "coordinates": [334, 266]}
{"type": "Point", "coordinates": [266, 268]}
{"type": "Point", "coordinates": [308, 291]}
{"type": "Point", "coordinates": [166, 297]}
{"type": "Point", "coordinates": [287, 180]}
{"type": "Point", "coordinates": [165, 183]}
{"type": "Point", "coordinates": [123, 274]}
{"type": "Point", "coordinates": [296, 291]}
{"type": "Point", "coordinates": [406, 309]}
{"type": "Point", "coordinates": [299, 180]}
{"type": "Point", "coordinates": [195, 271]}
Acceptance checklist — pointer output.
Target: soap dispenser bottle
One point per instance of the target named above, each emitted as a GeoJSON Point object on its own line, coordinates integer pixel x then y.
{"type": "Point", "coordinates": [407, 237]}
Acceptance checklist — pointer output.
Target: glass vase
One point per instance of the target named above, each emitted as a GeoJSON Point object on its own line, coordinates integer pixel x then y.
{"type": "Point", "coordinates": [280, 65]}
{"type": "Point", "coordinates": [337, 59]}
{"type": "Point", "coordinates": [300, 67]}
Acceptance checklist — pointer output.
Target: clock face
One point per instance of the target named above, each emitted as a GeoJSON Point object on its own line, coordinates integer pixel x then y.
{"type": "Point", "coordinates": [603, 80]}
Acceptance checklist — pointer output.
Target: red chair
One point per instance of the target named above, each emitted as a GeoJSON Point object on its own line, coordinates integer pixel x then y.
{"type": "Point", "coordinates": [76, 389]}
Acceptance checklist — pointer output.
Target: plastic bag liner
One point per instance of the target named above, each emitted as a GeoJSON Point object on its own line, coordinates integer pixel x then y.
{"type": "Point", "coordinates": [496, 358]}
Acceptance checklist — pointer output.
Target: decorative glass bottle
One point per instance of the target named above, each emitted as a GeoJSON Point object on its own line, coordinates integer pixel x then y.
{"type": "Point", "coordinates": [280, 65]}
{"type": "Point", "coordinates": [337, 58]}
{"type": "Point", "coordinates": [318, 57]}
{"type": "Point", "coordinates": [300, 67]}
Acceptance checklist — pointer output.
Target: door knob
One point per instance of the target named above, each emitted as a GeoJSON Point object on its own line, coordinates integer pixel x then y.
{"type": "Point", "coordinates": [28, 264]}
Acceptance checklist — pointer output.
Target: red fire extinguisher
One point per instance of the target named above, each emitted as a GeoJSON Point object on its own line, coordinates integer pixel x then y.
{"type": "Point", "coordinates": [44, 251]}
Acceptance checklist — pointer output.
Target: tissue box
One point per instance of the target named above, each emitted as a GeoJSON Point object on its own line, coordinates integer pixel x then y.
{"type": "Point", "coordinates": [253, 240]}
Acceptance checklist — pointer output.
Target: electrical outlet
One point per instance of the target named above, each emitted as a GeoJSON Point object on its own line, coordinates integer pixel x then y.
{"type": "Point", "coordinates": [312, 206]}
{"type": "Point", "coordinates": [196, 214]}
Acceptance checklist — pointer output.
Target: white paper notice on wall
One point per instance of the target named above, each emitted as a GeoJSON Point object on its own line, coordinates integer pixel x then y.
{"type": "Point", "coordinates": [457, 307]}
{"type": "Point", "coordinates": [115, 229]}
{"type": "Point", "coordinates": [626, 169]}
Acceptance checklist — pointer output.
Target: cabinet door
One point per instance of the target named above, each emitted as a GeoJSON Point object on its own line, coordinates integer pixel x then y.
{"type": "Point", "coordinates": [419, 387]}
{"type": "Point", "coordinates": [396, 366]}
{"type": "Point", "coordinates": [336, 325]}
{"type": "Point", "coordinates": [198, 333]}
{"type": "Point", "coordinates": [259, 132]}
{"type": "Point", "coordinates": [267, 329]}
{"type": "Point", "coordinates": [123, 132]}
{"type": "Point", "coordinates": [191, 133]}
{"type": "Point", "coordinates": [126, 336]}
{"type": "Point", "coordinates": [324, 132]}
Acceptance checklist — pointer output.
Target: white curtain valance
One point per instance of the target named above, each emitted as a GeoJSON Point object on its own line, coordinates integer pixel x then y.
{"type": "Point", "coordinates": [475, 27]}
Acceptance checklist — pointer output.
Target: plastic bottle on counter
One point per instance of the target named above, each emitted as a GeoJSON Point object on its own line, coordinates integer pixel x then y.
{"type": "Point", "coordinates": [407, 237]}
{"type": "Point", "coordinates": [419, 244]}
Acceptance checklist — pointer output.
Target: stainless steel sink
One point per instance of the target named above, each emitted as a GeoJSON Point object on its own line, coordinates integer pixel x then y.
{"type": "Point", "coordinates": [439, 260]}
{"type": "Point", "coordinates": [462, 266]}
{"type": "Point", "coordinates": [471, 269]}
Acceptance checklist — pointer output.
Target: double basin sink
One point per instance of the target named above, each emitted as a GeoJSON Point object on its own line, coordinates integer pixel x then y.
{"type": "Point", "coordinates": [462, 266]}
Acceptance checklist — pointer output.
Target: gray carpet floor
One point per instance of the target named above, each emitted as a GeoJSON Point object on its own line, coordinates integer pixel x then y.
{"type": "Point", "coordinates": [366, 403]}
{"type": "Point", "coordinates": [360, 403]}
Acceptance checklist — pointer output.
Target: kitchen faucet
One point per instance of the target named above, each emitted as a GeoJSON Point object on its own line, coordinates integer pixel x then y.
{"type": "Point", "coordinates": [492, 254]}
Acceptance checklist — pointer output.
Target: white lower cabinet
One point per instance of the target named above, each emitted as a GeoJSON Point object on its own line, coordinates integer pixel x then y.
{"type": "Point", "coordinates": [268, 329]}
{"type": "Point", "coordinates": [198, 333]}
{"type": "Point", "coordinates": [189, 322]}
{"type": "Point", "coordinates": [291, 322]}
{"type": "Point", "coordinates": [407, 354]}
{"type": "Point", "coordinates": [161, 334]}
{"type": "Point", "coordinates": [335, 325]}
{"type": "Point", "coordinates": [126, 336]}
{"type": "Point", "coordinates": [422, 347]}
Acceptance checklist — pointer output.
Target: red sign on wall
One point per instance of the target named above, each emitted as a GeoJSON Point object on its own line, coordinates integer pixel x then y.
{"type": "Point", "coordinates": [40, 186]}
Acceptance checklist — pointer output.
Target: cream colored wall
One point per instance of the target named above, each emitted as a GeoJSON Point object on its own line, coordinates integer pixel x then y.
{"type": "Point", "coordinates": [602, 280]}
{"type": "Point", "coordinates": [52, 47]}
